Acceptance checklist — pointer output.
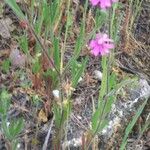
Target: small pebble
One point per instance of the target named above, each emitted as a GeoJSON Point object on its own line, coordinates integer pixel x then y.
{"type": "Point", "coordinates": [56, 94]}
{"type": "Point", "coordinates": [98, 75]}
{"type": "Point", "coordinates": [80, 79]}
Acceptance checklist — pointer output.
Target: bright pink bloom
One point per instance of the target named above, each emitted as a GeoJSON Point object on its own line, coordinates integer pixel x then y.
{"type": "Point", "coordinates": [103, 3]}
{"type": "Point", "coordinates": [101, 45]}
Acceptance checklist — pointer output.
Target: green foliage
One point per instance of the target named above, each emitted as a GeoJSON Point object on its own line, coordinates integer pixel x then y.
{"type": "Point", "coordinates": [104, 102]}
{"type": "Point", "coordinates": [136, 6]}
{"type": "Point", "coordinates": [23, 43]}
{"type": "Point", "coordinates": [4, 103]}
{"type": "Point", "coordinates": [56, 53]}
{"type": "Point", "coordinates": [54, 12]}
{"type": "Point", "coordinates": [131, 124]}
{"type": "Point", "coordinates": [79, 41]}
{"type": "Point", "coordinates": [98, 125]}
{"type": "Point", "coordinates": [6, 65]}
{"type": "Point", "coordinates": [15, 8]}
{"type": "Point", "coordinates": [10, 129]}
{"type": "Point", "coordinates": [57, 114]}
{"type": "Point", "coordinates": [36, 67]}
{"type": "Point", "coordinates": [77, 70]}
{"type": "Point", "coordinates": [62, 114]}
{"type": "Point", "coordinates": [1, 9]}
{"type": "Point", "coordinates": [53, 75]}
{"type": "Point", "coordinates": [103, 89]}
{"type": "Point", "coordinates": [100, 18]}
{"type": "Point", "coordinates": [36, 100]}
{"type": "Point", "coordinates": [78, 47]}
{"type": "Point", "coordinates": [114, 22]}
{"type": "Point", "coordinates": [146, 126]}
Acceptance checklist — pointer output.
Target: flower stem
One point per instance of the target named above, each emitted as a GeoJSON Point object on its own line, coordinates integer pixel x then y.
{"type": "Point", "coordinates": [107, 87]}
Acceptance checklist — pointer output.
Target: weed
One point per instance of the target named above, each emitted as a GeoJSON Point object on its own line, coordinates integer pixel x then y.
{"type": "Point", "coordinates": [10, 129]}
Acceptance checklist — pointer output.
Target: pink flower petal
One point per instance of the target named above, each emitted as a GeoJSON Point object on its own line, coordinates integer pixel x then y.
{"type": "Point", "coordinates": [94, 2]}
{"type": "Point", "coordinates": [103, 3]}
{"type": "Point", "coordinates": [92, 44]}
{"type": "Point", "coordinates": [95, 53]}
{"type": "Point", "coordinates": [109, 46]}
{"type": "Point", "coordinates": [101, 45]}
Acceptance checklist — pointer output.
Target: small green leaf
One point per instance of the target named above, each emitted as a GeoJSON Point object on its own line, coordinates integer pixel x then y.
{"type": "Point", "coordinates": [36, 67]}
{"type": "Point", "coordinates": [104, 79]}
{"type": "Point", "coordinates": [56, 53]}
{"type": "Point", "coordinates": [112, 81]}
{"type": "Point", "coordinates": [53, 76]}
{"type": "Point", "coordinates": [57, 114]}
{"type": "Point", "coordinates": [23, 42]}
{"type": "Point", "coordinates": [110, 100]}
{"type": "Point", "coordinates": [15, 128]}
{"type": "Point", "coordinates": [5, 129]}
{"type": "Point", "coordinates": [4, 102]}
{"type": "Point", "coordinates": [6, 65]}
{"type": "Point", "coordinates": [95, 119]}
{"type": "Point", "coordinates": [78, 73]}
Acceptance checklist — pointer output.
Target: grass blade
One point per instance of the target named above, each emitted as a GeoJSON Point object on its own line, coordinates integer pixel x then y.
{"type": "Point", "coordinates": [131, 125]}
{"type": "Point", "coordinates": [15, 8]}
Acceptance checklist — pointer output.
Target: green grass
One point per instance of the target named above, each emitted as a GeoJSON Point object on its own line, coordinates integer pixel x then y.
{"type": "Point", "coordinates": [131, 125]}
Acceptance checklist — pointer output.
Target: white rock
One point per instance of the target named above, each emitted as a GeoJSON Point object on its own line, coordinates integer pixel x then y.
{"type": "Point", "coordinates": [75, 142]}
{"type": "Point", "coordinates": [145, 88]}
{"type": "Point", "coordinates": [8, 123]}
{"type": "Point", "coordinates": [18, 146]}
{"type": "Point", "coordinates": [80, 79]}
{"type": "Point", "coordinates": [79, 117]}
{"type": "Point", "coordinates": [56, 93]}
{"type": "Point", "coordinates": [98, 75]}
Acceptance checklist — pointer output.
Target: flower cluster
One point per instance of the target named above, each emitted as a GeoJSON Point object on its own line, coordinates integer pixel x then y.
{"type": "Point", "coordinates": [101, 44]}
{"type": "Point", "coordinates": [103, 3]}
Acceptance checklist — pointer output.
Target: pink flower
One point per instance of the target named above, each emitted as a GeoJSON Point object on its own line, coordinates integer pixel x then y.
{"type": "Point", "coordinates": [103, 3]}
{"type": "Point", "coordinates": [101, 45]}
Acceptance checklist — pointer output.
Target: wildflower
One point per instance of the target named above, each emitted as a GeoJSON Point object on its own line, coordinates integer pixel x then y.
{"type": "Point", "coordinates": [101, 44]}
{"type": "Point", "coordinates": [103, 3]}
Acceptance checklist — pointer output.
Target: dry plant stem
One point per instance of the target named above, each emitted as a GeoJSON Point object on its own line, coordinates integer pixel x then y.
{"type": "Point", "coordinates": [50, 60]}
{"type": "Point", "coordinates": [107, 88]}
{"type": "Point", "coordinates": [60, 16]}
{"type": "Point", "coordinates": [8, 145]}
{"type": "Point", "coordinates": [65, 40]}
{"type": "Point", "coordinates": [48, 135]}
{"type": "Point", "coordinates": [146, 122]}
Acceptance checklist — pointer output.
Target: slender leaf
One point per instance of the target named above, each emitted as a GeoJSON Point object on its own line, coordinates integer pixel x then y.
{"type": "Point", "coordinates": [56, 53]}
{"type": "Point", "coordinates": [15, 8]}
{"type": "Point", "coordinates": [79, 73]}
{"type": "Point", "coordinates": [131, 124]}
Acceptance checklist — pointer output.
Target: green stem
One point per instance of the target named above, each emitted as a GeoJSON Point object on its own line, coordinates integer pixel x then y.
{"type": "Point", "coordinates": [107, 88]}
{"type": "Point", "coordinates": [65, 39]}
